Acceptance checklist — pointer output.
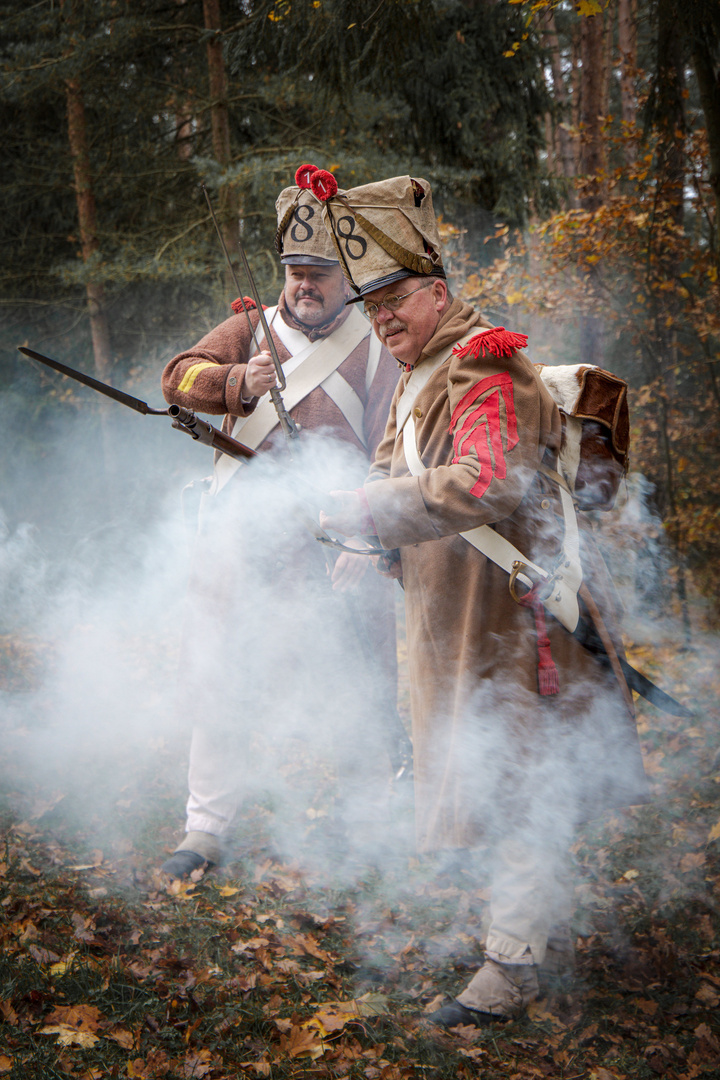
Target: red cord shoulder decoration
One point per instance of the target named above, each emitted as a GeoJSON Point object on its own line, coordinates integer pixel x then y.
{"type": "Point", "coordinates": [496, 342]}
{"type": "Point", "coordinates": [246, 304]}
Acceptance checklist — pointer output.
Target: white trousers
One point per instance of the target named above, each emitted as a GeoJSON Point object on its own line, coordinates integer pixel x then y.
{"type": "Point", "coordinates": [531, 893]}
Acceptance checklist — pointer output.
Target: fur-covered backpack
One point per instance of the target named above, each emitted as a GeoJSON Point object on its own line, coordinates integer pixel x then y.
{"type": "Point", "coordinates": [594, 452]}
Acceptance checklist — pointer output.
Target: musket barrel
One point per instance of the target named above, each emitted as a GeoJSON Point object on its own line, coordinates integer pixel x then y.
{"type": "Point", "coordinates": [186, 420]}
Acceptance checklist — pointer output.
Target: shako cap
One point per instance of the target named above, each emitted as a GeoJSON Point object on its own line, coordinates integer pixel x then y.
{"type": "Point", "coordinates": [301, 236]}
{"type": "Point", "coordinates": [383, 232]}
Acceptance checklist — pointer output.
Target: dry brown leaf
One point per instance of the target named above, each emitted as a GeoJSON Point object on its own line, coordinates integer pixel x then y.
{"type": "Point", "coordinates": [302, 1043]}
{"type": "Point", "coordinates": [306, 943]}
{"type": "Point", "coordinates": [123, 1038]}
{"type": "Point", "coordinates": [8, 1012]}
{"type": "Point", "coordinates": [228, 890]}
{"type": "Point", "coordinates": [43, 806]}
{"type": "Point", "coordinates": [183, 890]}
{"type": "Point", "coordinates": [692, 861]}
{"type": "Point", "coordinates": [42, 956]}
{"type": "Point", "coordinates": [251, 944]}
{"type": "Point", "coordinates": [708, 996]}
{"type": "Point", "coordinates": [260, 1068]}
{"type": "Point", "coordinates": [70, 1036]}
{"type": "Point", "coordinates": [539, 1014]}
{"type": "Point", "coordinates": [6, 1063]}
{"type": "Point", "coordinates": [138, 1069]}
{"type": "Point", "coordinates": [198, 1063]}
{"type": "Point", "coordinates": [80, 1017]}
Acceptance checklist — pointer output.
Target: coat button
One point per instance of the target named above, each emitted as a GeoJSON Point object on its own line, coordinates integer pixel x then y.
{"type": "Point", "coordinates": [545, 504]}
{"type": "Point", "coordinates": [232, 381]}
{"type": "Point", "coordinates": [417, 412]}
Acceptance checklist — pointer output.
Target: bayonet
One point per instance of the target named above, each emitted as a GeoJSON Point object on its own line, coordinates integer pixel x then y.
{"type": "Point", "coordinates": [288, 425]}
{"type": "Point", "coordinates": [183, 419]}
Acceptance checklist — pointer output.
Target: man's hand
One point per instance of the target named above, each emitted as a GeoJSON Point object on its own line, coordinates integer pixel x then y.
{"type": "Point", "coordinates": [260, 375]}
{"type": "Point", "coordinates": [349, 570]}
{"type": "Point", "coordinates": [389, 565]}
{"type": "Point", "coordinates": [347, 519]}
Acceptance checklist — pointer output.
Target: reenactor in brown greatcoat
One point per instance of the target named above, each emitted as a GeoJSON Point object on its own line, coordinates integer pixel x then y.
{"type": "Point", "coordinates": [519, 732]}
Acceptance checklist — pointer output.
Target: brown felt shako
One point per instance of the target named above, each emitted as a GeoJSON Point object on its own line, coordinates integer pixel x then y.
{"type": "Point", "coordinates": [301, 237]}
{"type": "Point", "coordinates": [383, 232]}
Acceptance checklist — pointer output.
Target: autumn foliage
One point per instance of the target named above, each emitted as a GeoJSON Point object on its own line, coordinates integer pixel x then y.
{"type": "Point", "coordinates": [647, 278]}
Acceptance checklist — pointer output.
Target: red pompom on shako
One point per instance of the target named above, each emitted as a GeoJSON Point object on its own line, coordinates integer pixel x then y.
{"type": "Point", "coordinates": [496, 342]}
{"type": "Point", "coordinates": [304, 174]}
{"type": "Point", "coordinates": [323, 185]}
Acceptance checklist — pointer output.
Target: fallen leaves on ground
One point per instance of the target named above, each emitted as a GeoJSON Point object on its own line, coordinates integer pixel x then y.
{"type": "Point", "coordinates": [265, 969]}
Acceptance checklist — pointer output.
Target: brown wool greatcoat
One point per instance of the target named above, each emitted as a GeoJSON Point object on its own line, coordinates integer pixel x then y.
{"type": "Point", "coordinates": [490, 753]}
{"type": "Point", "coordinates": [218, 388]}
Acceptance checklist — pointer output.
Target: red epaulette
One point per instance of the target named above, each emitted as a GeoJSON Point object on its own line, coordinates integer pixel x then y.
{"type": "Point", "coordinates": [247, 303]}
{"type": "Point", "coordinates": [496, 342]}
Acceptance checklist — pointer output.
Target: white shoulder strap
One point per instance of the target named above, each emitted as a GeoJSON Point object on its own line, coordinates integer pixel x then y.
{"type": "Point", "coordinates": [342, 394]}
{"type": "Point", "coordinates": [304, 372]}
{"type": "Point", "coordinates": [419, 378]}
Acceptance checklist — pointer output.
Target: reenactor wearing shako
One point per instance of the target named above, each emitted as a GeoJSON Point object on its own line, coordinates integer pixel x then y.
{"type": "Point", "coordinates": [519, 731]}
{"type": "Point", "coordinates": [340, 379]}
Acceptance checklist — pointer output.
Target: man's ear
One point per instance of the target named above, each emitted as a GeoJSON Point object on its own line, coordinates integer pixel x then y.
{"type": "Point", "coordinates": [440, 293]}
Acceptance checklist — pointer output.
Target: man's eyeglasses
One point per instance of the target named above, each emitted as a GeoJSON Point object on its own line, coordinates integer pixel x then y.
{"type": "Point", "coordinates": [392, 302]}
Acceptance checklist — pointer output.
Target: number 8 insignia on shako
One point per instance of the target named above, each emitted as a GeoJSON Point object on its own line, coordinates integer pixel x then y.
{"type": "Point", "coordinates": [350, 238]}
{"type": "Point", "coordinates": [303, 224]}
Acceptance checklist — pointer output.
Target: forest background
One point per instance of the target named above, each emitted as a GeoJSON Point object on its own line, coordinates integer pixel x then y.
{"type": "Point", "coordinates": [574, 152]}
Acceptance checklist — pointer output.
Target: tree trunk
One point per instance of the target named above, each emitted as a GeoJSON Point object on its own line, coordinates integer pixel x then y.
{"type": "Point", "coordinates": [709, 85]}
{"type": "Point", "coordinates": [575, 79]}
{"type": "Point", "coordinates": [592, 161]}
{"type": "Point", "coordinates": [670, 108]}
{"type": "Point", "coordinates": [592, 157]}
{"type": "Point", "coordinates": [220, 127]}
{"type": "Point", "coordinates": [627, 44]}
{"type": "Point", "coordinates": [670, 125]}
{"type": "Point", "coordinates": [566, 151]}
{"type": "Point", "coordinates": [87, 220]}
